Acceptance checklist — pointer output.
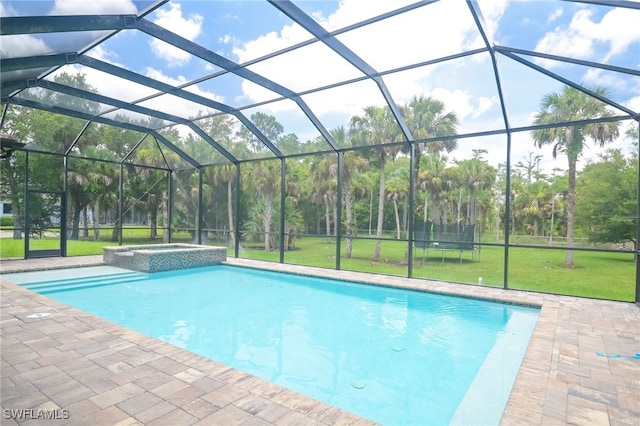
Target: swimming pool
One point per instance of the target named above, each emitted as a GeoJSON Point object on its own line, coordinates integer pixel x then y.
{"type": "Point", "coordinates": [393, 356]}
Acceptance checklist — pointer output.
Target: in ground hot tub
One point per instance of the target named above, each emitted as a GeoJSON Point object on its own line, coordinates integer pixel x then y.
{"type": "Point", "coordinates": [163, 257]}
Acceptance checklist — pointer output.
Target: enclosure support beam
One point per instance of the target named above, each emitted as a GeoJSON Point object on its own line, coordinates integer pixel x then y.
{"type": "Point", "coordinates": [637, 258]}
{"type": "Point", "coordinates": [283, 199]}
{"type": "Point", "coordinates": [236, 213]}
{"type": "Point", "coordinates": [309, 24]}
{"type": "Point", "coordinates": [63, 207]}
{"type": "Point", "coordinates": [25, 231]}
{"type": "Point", "coordinates": [569, 83]}
{"type": "Point", "coordinates": [169, 201]}
{"type": "Point", "coordinates": [77, 138]}
{"type": "Point", "coordinates": [337, 225]}
{"type": "Point", "coordinates": [5, 108]}
{"type": "Point", "coordinates": [199, 218]}
{"type": "Point", "coordinates": [412, 212]}
{"type": "Point", "coordinates": [120, 202]}
{"type": "Point", "coordinates": [507, 212]}
{"type": "Point", "coordinates": [173, 39]}
{"type": "Point", "coordinates": [481, 25]}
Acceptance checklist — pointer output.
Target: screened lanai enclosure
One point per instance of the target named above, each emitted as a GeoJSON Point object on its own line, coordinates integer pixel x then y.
{"type": "Point", "coordinates": [484, 142]}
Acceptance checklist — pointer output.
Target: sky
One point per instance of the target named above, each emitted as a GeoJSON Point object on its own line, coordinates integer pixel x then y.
{"type": "Point", "coordinates": [243, 31]}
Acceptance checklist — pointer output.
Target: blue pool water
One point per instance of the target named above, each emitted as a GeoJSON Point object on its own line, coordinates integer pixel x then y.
{"type": "Point", "coordinates": [393, 356]}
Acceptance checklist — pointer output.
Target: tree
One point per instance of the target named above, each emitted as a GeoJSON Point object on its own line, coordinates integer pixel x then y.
{"type": "Point", "coordinates": [220, 128]}
{"type": "Point", "coordinates": [352, 163]}
{"type": "Point", "coordinates": [427, 119]}
{"type": "Point", "coordinates": [45, 131]}
{"type": "Point", "coordinates": [265, 174]}
{"type": "Point", "coordinates": [607, 206]}
{"type": "Point", "coordinates": [293, 222]}
{"type": "Point", "coordinates": [397, 187]}
{"type": "Point", "coordinates": [377, 127]}
{"type": "Point", "coordinates": [567, 106]}
{"type": "Point", "coordinates": [12, 178]}
{"type": "Point", "coordinates": [530, 204]}
{"type": "Point", "coordinates": [433, 179]}
{"type": "Point", "coordinates": [78, 194]}
{"type": "Point", "coordinates": [475, 175]}
{"type": "Point", "coordinates": [269, 126]}
{"type": "Point", "coordinates": [324, 181]}
{"type": "Point", "coordinates": [530, 167]}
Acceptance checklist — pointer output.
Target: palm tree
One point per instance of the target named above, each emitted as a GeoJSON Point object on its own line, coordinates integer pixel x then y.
{"type": "Point", "coordinates": [433, 179]}
{"type": "Point", "coordinates": [475, 174]}
{"type": "Point", "coordinates": [264, 174]}
{"type": "Point", "coordinates": [530, 205]}
{"type": "Point", "coordinates": [102, 184]}
{"type": "Point", "coordinates": [426, 118]}
{"type": "Point", "coordinates": [324, 181]}
{"type": "Point", "coordinates": [266, 177]}
{"type": "Point", "coordinates": [377, 127]}
{"type": "Point", "coordinates": [78, 197]}
{"type": "Point", "coordinates": [566, 106]}
{"type": "Point", "coordinates": [221, 129]}
{"type": "Point", "coordinates": [147, 185]}
{"type": "Point", "coordinates": [398, 190]}
{"type": "Point", "coordinates": [227, 173]}
{"type": "Point", "coordinates": [293, 222]}
{"type": "Point", "coordinates": [352, 163]}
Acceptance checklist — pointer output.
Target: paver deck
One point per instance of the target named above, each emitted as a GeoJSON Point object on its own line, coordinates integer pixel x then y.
{"type": "Point", "coordinates": [90, 371]}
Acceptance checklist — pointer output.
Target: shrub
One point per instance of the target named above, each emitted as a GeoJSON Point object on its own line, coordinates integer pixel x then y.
{"type": "Point", "coordinates": [6, 221]}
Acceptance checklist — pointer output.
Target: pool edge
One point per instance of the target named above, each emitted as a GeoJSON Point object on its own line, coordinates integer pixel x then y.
{"type": "Point", "coordinates": [559, 361]}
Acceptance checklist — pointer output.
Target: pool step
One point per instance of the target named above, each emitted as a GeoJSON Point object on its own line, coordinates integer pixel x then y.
{"type": "Point", "coordinates": [45, 287]}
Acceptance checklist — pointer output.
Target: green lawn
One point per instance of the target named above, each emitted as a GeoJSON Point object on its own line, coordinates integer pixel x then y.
{"type": "Point", "coordinates": [597, 274]}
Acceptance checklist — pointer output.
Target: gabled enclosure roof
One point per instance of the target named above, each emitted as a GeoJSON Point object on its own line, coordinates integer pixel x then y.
{"type": "Point", "coordinates": [155, 65]}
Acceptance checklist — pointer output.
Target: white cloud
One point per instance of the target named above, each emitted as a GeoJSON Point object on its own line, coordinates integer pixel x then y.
{"type": "Point", "coordinates": [572, 41]}
{"type": "Point", "coordinates": [484, 105]}
{"type": "Point", "coordinates": [618, 29]}
{"type": "Point", "coordinates": [270, 42]}
{"type": "Point", "coordinates": [107, 84]}
{"type": "Point", "coordinates": [160, 76]}
{"type": "Point", "coordinates": [633, 103]}
{"type": "Point", "coordinates": [455, 100]}
{"type": "Point", "coordinates": [438, 30]}
{"type": "Point", "coordinates": [99, 52]}
{"type": "Point", "coordinates": [84, 7]}
{"type": "Point", "coordinates": [115, 87]}
{"type": "Point", "coordinates": [492, 12]}
{"type": "Point", "coordinates": [601, 78]}
{"type": "Point", "coordinates": [465, 105]}
{"type": "Point", "coordinates": [6, 10]}
{"type": "Point", "coordinates": [189, 28]}
{"type": "Point", "coordinates": [555, 15]}
{"type": "Point", "coordinates": [13, 46]}
{"type": "Point", "coordinates": [23, 45]}
{"type": "Point", "coordinates": [383, 45]}
{"type": "Point", "coordinates": [174, 104]}
{"type": "Point", "coordinates": [351, 11]}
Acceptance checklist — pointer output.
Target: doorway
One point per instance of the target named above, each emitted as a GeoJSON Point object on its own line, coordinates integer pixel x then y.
{"type": "Point", "coordinates": [45, 227]}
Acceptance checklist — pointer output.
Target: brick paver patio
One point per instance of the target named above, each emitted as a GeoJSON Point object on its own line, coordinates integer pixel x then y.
{"type": "Point", "coordinates": [90, 371]}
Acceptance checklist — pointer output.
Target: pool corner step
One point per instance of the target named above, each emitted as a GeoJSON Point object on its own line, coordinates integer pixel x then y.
{"type": "Point", "coordinates": [45, 287]}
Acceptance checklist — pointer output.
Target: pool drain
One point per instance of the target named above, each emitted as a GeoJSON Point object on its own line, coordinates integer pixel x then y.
{"type": "Point", "coordinates": [397, 348]}
{"type": "Point", "coordinates": [38, 315]}
{"type": "Point", "coordinates": [358, 384]}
